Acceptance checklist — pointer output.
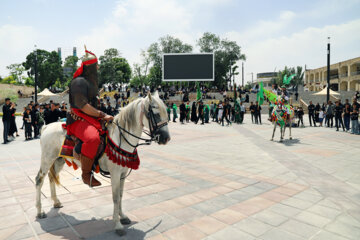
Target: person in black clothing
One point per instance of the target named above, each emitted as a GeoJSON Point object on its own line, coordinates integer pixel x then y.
{"type": "Point", "coordinates": [300, 114]}
{"type": "Point", "coordinates": [109, 110]}
{"type": "Point", "coordinates": [200, 113]}
{"type": "Point", "coordinates": [28, 120]}
{"type": "Point", "coordinates": [6, 119]}
{"type": "Point", "coordinates": [296, 96]}
{"type": "Point", "coordinates": [257, 113]}
{"type": "Point", "coordinates": [193, 113]}
{"type": "Point", "coordinates": [13, 127]}
{"type": "Point", "coordinates": [54, 113]}
{"type": "Point", "coordinates": [338, 117]}
{"type": "Point", "coordinates": [311, 110]}
{"type": "Point", "coordinates": [182, 112]}
{"type": "Point", "coordinates": [47, 113]}
{"type": "Point", "coordinates": [252, 111]}
{"type": "Point", "coordinates": [317, 111]}
{"type": "Point", "coordinates": [226, 113]}
{"type": "Point", "coordinates": [63, 109]}
{"type": "Point", "coordinates": [347, 110]}
{"type": "Point", "coordinates": [35, 119]}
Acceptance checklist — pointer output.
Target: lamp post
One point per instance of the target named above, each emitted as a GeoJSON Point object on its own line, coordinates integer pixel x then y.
{"type": "Point", "coordinates": [36, 77]}
{"type": "Point", "coordinates": [242, 72]}
{"type": "Point", "coordinates": [328, 71]}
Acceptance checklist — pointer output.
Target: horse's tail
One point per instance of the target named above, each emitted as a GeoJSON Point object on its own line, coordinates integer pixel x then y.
{"type": "Point", "coordinates": [53, 177]}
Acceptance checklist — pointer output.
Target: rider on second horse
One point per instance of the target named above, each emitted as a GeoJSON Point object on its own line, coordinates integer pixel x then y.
{"type": "Point", "coordinates": [84, 119]}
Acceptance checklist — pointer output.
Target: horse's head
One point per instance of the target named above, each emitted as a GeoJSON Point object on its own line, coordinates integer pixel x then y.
{"type": "Point", "coordinates": [156, 118]}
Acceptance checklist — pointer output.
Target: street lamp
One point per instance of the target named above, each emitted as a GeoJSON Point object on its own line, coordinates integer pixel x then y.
{"type": "Point", "coordinates": [35, 70]}
{"type": "Point", "coordinates": [328, 71]}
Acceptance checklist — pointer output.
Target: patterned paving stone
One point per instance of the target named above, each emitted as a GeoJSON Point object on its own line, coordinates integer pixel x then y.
{"type": "Point", "coordinates": [189, 189]}
{"type": "Point", "coordinates": [253, 226]}
{"type": "Point", "coordinates": [301, 229]}
{"type": "Point", "coordinates": [232, 234]}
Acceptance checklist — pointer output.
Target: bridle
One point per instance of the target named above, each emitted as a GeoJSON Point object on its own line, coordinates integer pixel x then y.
{"type": "Point", "coordinates": [155, 124]}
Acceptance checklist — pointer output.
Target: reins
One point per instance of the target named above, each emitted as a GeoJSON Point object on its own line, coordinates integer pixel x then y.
{"type": "Point", "coordinates": [153, 127]}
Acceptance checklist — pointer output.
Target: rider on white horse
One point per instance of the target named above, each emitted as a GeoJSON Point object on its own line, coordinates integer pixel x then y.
{"type": "Point", "coordinates": [84, 119]}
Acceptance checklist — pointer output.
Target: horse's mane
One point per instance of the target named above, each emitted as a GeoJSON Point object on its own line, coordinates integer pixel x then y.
{"type": "Point", "coordinates": [126, 116]}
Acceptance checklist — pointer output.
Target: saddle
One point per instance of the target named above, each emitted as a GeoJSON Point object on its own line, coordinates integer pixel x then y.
{"type": "Point", "coordinates": [71, 148]}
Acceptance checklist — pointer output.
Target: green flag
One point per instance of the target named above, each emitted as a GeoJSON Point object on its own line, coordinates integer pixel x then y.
{"type": "Point", "coordinates": [260, 94]}
{"type": "Point", "coordinates": [198, 92]}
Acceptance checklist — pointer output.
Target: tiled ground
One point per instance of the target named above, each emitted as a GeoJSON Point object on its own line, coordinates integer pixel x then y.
{"type": "Point", "coordinates": [209, 182]}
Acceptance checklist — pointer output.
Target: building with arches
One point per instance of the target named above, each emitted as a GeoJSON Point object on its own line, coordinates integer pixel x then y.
{"type": "Point", "coordinates": [344, 76]}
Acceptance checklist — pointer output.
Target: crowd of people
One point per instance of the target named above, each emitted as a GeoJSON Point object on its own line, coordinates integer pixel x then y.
{"type": "Point", "coordinates": [34, 115]}
{"type": "Point", "coordinates": [220, 112]}
{"type": "Point", "coordinates": [346, 115]}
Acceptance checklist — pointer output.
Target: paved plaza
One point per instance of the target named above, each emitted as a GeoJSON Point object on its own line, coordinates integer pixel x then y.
{"type": "Point", "coordinates": [210, 182]}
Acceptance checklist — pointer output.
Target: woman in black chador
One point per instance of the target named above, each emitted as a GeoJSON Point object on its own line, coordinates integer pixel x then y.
{"type": "Point", "coordinates": [13, 127]}
{"type": "Point", "coordinates": [193, 113]}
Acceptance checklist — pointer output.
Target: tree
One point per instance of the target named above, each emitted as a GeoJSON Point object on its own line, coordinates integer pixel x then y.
{"type": "Point", "coordinates": [48, 65]}
{"type": "Point", "coordinates": [141, 71]}
{"type": "Point", "coordinates": [16, 70]}
{"type": "Point", "coordinates": [167, 44]}
{"type": "Point", "coordinates": [113, 68]}
{"type": "Point", "coordinates": [70, 65]}
{"type": "Point", "coordinates": [227, 53]}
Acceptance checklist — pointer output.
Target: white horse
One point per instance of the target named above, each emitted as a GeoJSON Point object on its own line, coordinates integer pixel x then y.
{"type": "Point", "coordinates": [149, 111]}
{"type": "Point", "coordinates": [277, 116]}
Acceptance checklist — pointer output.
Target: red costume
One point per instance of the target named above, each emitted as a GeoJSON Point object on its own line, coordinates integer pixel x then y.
{"type": "Point", "coordinates": [84, 90]}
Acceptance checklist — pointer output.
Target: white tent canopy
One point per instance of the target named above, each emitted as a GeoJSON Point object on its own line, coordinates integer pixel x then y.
{"type": "Point", "coordinates": [324, 92]}
{"type": "Point", "coordinates": [46, 93]}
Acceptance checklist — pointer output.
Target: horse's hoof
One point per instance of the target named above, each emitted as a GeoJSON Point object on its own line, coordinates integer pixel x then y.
{"type": "Point", "coordinates": [125, 221]}
{"type": "Point", "coordinates": [58, 205]}
{"type": "Point", "coordinates": [120, 232]}
{"type": "Point", "coordinates": [41, 215]}
{"type": "Point", "coordinates": [271, 139]}
{"type": "Point", "coordinates": [290, 138]}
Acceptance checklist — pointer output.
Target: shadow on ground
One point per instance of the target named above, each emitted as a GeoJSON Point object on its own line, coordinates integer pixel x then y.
{"type": "Point", "coordinates": [57, 224]}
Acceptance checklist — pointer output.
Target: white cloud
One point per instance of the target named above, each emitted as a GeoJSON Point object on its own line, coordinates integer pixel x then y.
{"type": "Point", "coordinates": [15, 43]}
{"type": "Point", "coordinates": [307, 46]}
{"type": "Point", "coordinates": [134, 24]}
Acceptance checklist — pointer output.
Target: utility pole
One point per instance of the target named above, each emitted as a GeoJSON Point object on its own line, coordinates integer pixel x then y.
{"type": "Point", "coordinates": [328, 71]}
{"type": "Point", "coordinates": [242, 74]}
{"type": "Point", "coordinates": [36, 77]}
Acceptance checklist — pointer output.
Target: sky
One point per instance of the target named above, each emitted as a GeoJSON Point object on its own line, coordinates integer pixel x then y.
{"type": "Point", "coordinates": [272, 34]}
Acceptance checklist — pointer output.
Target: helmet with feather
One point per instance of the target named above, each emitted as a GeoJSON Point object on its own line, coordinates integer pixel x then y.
{"type": "Point", "coordinates": [88, 68]}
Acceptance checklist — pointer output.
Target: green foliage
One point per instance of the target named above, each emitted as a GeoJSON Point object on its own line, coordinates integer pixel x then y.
{"type": "Point", "coordinates": [71, 63]}
{"type": "Point", "coordinates": [29, 81]}
{"type": "Point", "coordinates": [8, 80]}
{"type": "Point", "coordinates": [16, 70]}
{"type": "Point", "coordinates": [113, 68]}
{"type": "Point", "coordinates": [167, 44]}
{"type": "Point", "coordinates": [227, 53]}
{"type": "Point", "coordinates": [49, 67]}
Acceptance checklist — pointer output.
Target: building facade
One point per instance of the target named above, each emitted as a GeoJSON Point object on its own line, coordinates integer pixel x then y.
{"type": "Point", "coordinates": [344, 76]}
{"type": "Point", "coordinates": [267, 78]}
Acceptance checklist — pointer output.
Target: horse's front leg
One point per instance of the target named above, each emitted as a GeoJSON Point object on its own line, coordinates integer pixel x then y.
{"type": "Point", "coordinates": [123, 218]}
{"type": "Point", "coordinates": [273, 134]}
{"type": "Point", "coordinates": [115, 184]}
{"type": "Point", "coordinates": [290, 137]}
